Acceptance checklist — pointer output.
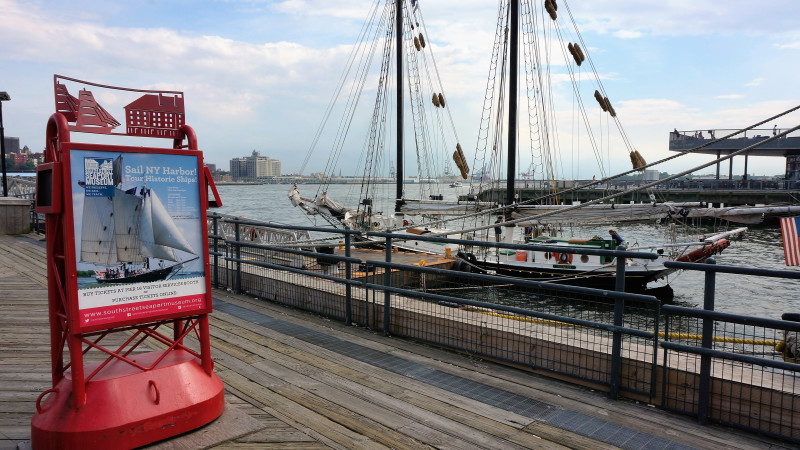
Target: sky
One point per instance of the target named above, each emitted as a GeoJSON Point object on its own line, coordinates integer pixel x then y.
{"type": "Point", "coordinates": [258, 74]}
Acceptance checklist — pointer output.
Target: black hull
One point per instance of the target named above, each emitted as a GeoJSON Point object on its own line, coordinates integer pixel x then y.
{"type": "Point", "coordinates": [634, 282]}
{"type": "Point", "coordinates": [152, 275]}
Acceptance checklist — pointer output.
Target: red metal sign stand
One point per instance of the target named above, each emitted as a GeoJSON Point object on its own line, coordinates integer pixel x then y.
{"type": "Point", "coordinates": [130, 397]}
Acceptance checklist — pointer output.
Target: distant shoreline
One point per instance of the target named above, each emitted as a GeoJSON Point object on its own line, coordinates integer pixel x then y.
{"type": "Point", "coordinates": [330, 181]}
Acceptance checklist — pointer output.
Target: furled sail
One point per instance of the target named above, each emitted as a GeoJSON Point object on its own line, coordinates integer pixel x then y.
{"type": "Point", "coordinates": [331, 204]}
{"type": "Point", "coordinates": [443, 208]}
{"type": "Point", "coordinates": [322, 204]}
{"type": "Point", "coordinates": [602, 213]}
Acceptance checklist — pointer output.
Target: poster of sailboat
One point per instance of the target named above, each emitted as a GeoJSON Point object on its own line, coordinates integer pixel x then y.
{"type": "Point", "coordinates": [138, 234]}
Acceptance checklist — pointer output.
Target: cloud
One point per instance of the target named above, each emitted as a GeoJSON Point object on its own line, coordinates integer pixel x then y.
{"type": "Point", "coordinates": [688, 17]}
{"type": "Point", "coordinates": [795, 45]}
{"type": "Point", "coordinates": [650, 111]}
{"type": "Point", "coordinates": [730, 97]}
{"type": "Point", "coordinates": [754, 83]}
{"type": "Point", "coordinates": [628, 34]}
{"type": "Point", "coordinates": [341, 9]}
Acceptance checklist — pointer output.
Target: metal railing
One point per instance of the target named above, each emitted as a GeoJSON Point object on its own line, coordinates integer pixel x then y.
{"type": "Point", "coordinates": [719, 367]}
{"type": "Point", "coordinates": [737, 370]}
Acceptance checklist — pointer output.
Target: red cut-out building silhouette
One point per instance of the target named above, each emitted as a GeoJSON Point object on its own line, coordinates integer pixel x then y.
{"type": "Point", "coordinates": [155, 115]}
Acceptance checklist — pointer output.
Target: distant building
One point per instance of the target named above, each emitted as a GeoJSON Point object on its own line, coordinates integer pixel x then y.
{"type": "Point", "coordinates": [11, 144]}
{"type": "Point", "coordinates": [793, 167]}
{"type": "Point", "coordinates": [255, 166]}
{"type": "Point", "coordinates": [651, 175]}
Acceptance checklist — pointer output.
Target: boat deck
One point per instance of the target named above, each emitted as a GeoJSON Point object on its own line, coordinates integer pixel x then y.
{"type": "Point", "coordinates": [296, 380]}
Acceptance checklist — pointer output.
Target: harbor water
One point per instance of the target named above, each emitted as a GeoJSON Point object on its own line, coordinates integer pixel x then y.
{"type": "Point", "coordinates": [761, 247]}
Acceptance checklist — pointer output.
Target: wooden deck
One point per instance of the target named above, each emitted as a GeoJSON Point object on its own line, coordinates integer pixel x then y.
{"type": "Point", "coordinates": [309, 382]}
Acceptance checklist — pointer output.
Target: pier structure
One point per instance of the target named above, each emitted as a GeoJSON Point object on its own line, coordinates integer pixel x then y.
{"type": "Point", "coordinates": [787, 147]}
{"type": "Point", "coordinates": [716, 191]}
{"type": "Point", "coordinates": [710, 191]}
{"type": "Point", "coordinates": [298, 379]}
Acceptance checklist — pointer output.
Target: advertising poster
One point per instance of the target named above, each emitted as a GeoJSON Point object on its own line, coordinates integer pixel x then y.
{"type": "Point", "coordinates": [138, 235]}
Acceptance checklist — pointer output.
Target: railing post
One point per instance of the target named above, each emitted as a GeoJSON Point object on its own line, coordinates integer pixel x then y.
{"type": "Point", "coordinates": [387, 281]}
{"type": "Point", "coordinates": [348, 275]}
{"type": "Point", "coordinates": [215, 228]}
{"type": "Point", "coordinates": [665, 363]}
{"type": "Point", "coordinates": [654, 371]}
{"type": "Point", "coordinates": [708, 342]}
{"type": "Point", "coordinates": [238, 280]}
{"type": "Point", "coordinates": [616, 345]}
{"type": "Point", "coordinates": [368, 305]}
{"type": "Point", "coordinates": [620, 280]}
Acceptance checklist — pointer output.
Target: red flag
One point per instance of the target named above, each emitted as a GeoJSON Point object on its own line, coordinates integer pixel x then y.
{"type": "Point", "coordinates": [791, 240]}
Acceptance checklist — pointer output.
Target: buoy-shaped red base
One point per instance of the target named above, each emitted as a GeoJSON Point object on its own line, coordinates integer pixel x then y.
{"type": "Point", "coordinates": [128, 408]}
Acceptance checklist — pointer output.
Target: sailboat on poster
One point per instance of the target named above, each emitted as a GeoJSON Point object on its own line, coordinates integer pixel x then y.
{"type": "Point", "coordinates": [127, 231]}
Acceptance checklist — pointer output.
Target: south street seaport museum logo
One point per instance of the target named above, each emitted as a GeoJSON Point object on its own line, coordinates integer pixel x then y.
{"type": "Point", "coordinates": [99, 176]}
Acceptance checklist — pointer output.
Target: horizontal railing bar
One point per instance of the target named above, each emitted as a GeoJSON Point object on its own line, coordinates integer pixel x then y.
{"type": "Point", "coordinates": [294, 252]}
{"type": "Point", "coordinates": [279, 226]}
{"type": "Point", "coordinates": [649, 299]}
{"type": "Point", "coordinates": [524, 312]}
{"type": "Point", "coordinates": [788, 325]}
{"type": "Point", "coordinates": [298, 271]}
{"type": "Point", "coordinates": [747, 359]}
{"type": "Point", "coordinates": [705, 267]}
{"type": "Point", "coordinates": [544, 248]}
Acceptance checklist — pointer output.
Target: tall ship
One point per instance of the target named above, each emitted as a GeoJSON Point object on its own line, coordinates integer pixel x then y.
{"type": "Point", "coordinates": [518, 120]}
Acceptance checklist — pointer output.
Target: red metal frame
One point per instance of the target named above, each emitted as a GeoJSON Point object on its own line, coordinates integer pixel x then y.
{"type": "Point", "coordinates": [151, 115]}
{"type": "Point", "coordinates": [65, 417]}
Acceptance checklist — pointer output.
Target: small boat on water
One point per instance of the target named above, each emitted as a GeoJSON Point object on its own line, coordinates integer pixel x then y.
{"type": "Point", "coordinates": [455, 184]}
{"type": "Point", "coordinates": [568, 267]}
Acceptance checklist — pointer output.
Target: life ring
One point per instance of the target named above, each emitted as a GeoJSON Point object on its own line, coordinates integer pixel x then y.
{"type": "Point", "coordinates": [563, 258]}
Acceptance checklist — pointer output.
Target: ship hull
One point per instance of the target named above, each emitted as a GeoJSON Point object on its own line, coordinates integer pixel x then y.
{"type": "Point", "coordinates": [149, 276]}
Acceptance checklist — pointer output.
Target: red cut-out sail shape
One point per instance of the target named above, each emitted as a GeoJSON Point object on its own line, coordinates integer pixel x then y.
{"type": "Point", "coordinates": [66, 104]}
{"type": "Point", "coordinates": [92, 117]}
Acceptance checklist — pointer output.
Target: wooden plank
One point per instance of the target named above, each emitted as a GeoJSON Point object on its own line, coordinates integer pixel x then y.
{"type": "Point", "coordinates": [25, 407]}
{"type": "Point", "coordinates": [320, 405]}
{"type": "Point", "coordinates": [231, 425]}
{"type": "Point", "coordinates": [394, 392]}
{"type": "Point", "coordinates": [15, 433]}
{"type": "Point", "coordinates": [573, 397]}
{"type": "Point", "coordinates": [321, 427]}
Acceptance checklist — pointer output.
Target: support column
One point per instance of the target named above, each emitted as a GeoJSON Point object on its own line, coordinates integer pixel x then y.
{"type": "Point", "coordinates": [744, 174]}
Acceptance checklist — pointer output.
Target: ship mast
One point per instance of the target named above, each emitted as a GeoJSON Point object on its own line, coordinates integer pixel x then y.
{"type": "Point", "coordinates": [399, 50]}
{"type": "Point", "coordinates": [512, 102]}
